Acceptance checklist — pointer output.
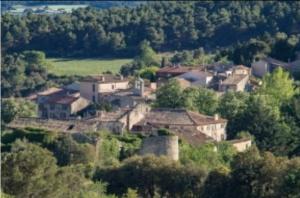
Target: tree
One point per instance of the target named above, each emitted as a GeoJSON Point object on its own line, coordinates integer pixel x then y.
{"type": "Point", "coordinates": [12, 108]}
{"type": "Point", "coordinates": [256, 175]}
{"type": "Point", "coordinates": [68, 151]}
{"type": "Point", "coordinates": [200, 99]}
{"type": "Point", "coordinates": [149, 73]}
{"type": "Point", "coordinates": [29, 171]}
{"type": "Point", "coordinates": [151, 176]}
{"type": "Point", "coordinates": [147, 56]}
{"type": "Point", "coordinates": [278, 85]}
{"type": "Point", "coordinates": [169, 95]}
{"type": "Point", "coordinates": [262, 120]}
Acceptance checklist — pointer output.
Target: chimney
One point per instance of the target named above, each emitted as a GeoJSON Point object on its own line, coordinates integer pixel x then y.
{"type": "Point", "coordinates": [216, 117]}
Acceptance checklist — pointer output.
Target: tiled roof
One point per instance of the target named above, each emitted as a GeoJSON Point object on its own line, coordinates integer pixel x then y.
{"type": "Point", "coordinates": [174, 70]}
{"type": "Point", "coordinates": [178, 117]}
{"type": "Point", "coordinates": [234, 79]}
{"type": "Point", "coordinates": [105, 78]}
{"type": "Point", "coordinates": [64, 99]}
{"type": "Point", "coordinates": [236, 141]}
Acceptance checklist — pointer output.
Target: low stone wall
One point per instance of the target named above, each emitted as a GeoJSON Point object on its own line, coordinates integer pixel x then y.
{"type": "Point", "coordinates": [161, 145]}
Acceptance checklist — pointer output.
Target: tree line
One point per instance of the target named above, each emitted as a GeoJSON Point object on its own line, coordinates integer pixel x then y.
{"type": "Point", "coordinates": [167, 26]}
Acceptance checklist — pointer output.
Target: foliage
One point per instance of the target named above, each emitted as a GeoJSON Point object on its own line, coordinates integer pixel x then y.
{"type": "Point", "coordinates": [167, 26]}
{"type": "Point", "coordinates": [169, 95]}
{"type": "Point", "coordinates": [95, 190]}
{"type": "Point", "coordinates": [149, 73]}
{"type": "Point", "coordinates": [108, 151]}
{"type": "Point", "coordinates": [15, 107]}
{"type": "Point", "coordinates": [68, 151]}
{"type": "Point", "coordinates": [30, 171]}
{"type": "Point", "coordinates": [152, 175]}
{"type": "Point", "coordinates": [23, 73]}
{"type": "Point", "coordinates": [208, 156]}
{"type": "Point", "coordinates": [278, 85]}
{"type": "Point", "coordinates": [146, 57]}
{"type": "Point", "coordinates": [201, 99]}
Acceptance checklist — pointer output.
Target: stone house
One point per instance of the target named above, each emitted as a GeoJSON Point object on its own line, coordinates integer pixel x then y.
{"type": "Point", "coordinates": [197, 78]}
{"type": "Point", "coordinates": [184, 123]}
{"type": "Point", "coordinates": [241, 144]}
{"type": "Point", "coordinates": [57, 103]}
{"type": "Point", "coordinates": [126, 98]}
{"type": "Point", "coordinates": [121, 120]}
{"type": "Point", "coordinates": [235, 82]}
{"type": "Point", "coordinates": [93, 87]}
{"type": "Point", "coordinates": [267, 65]}
{"type": "Point", "coordinates": [241, 70]}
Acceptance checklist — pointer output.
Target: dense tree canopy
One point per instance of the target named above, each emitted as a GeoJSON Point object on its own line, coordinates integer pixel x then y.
{"type": "Point", "coordinates": [166, 25]}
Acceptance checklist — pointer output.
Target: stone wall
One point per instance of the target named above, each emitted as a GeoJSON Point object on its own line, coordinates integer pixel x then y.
{"type": "Point", "coordinates": [161, 145]}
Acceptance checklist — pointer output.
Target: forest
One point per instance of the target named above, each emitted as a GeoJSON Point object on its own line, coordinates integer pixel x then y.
{"type": "Point", "coordinates": [168, 26]}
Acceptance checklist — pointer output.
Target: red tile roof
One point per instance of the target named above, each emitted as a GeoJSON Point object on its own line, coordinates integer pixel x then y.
{"type": "Point", "coordinates": [62, 99]}
{"type": "Point", "coordinates": [174, 70]}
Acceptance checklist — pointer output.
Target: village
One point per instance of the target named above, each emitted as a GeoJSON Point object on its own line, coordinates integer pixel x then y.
{"type": "Point", "coordinates": [68, 109]}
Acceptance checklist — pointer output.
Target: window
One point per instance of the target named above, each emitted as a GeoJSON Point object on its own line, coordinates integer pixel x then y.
{"type": "Point", "coordinates": [62, 115]}
{"type": "Point", "coordinates": [64, 107]}
{"type": "Point", "coordinates": [52, 115]}
{"type": "Point", "coordinates": [112, 86]}
{"type": "Point", "coordinates": [94, 99]}
{"type": "Point", "coordinates": [208, 128]}
{"type": "Point", "coordinates": [94, 87]}
{"type": "Point", "coordinates": [52, 106]}
{"type": "Point", "coordinates": [222, 125]}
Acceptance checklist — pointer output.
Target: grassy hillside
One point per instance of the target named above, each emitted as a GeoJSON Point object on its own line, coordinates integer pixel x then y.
{"type": "Point", "coordinates": [84, 67]}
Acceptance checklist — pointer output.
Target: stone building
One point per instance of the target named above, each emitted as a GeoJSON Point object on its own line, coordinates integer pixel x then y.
{"type": "Point", "coordinates": [127, 98]}
{"type": "Point", "coordinates": [267, 65]}
{"type": "Point", "coordinates": [122, 119]}
{"type": "Point", "coordinates": [235, 82]}
{"type": "Point", "coordinates": [93, 87]}
{"type": "Point", "coordinates": [197, 78]}
{"type": "Point", "coordinates": [241, 144]}
{"type": "Point", "coordinates": [57, 103]}
{"type": "Point", "coordinates": [184, 123]}
{"type": "Point", "coordinates": [161, 146]}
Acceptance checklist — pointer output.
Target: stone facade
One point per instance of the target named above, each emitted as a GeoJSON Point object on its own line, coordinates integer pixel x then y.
{"type": "Point", "coordinates": [182, 122]}
{"type": "Point", "coordinates": [235, 82]}
{"type": "Point", "coordinates": [161, 146]}
{"type": "Point", "coordinates": [56, 103]}
{"type": "Point", "coordinates": [241, 144]}
{"type": "Point", "coordinates": [93, 87]}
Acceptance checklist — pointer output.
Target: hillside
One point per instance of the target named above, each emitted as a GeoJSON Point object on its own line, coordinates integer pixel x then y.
{"type": "Point", "coordinates": [168, 26]}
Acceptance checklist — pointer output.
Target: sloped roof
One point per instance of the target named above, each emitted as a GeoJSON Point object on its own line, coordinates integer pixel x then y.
{"type": "Point", "coordinates": [64, 99]}
{"type": "Point", "coordinates": [164, 116]}
{"type": "Point", "coordinates": [104, 78]}
{"type": "Point", "coordinates": [174, 70]}
{"type": "Point", "coordinates": [234, 79]}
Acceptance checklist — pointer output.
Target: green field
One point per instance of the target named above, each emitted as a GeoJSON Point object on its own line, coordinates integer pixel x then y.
{"type": "Point", "coordinates": [83, 67]}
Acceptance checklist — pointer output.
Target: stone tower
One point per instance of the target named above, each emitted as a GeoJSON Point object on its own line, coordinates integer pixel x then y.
{"type": "Point", "coordinates": [161, 145]}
